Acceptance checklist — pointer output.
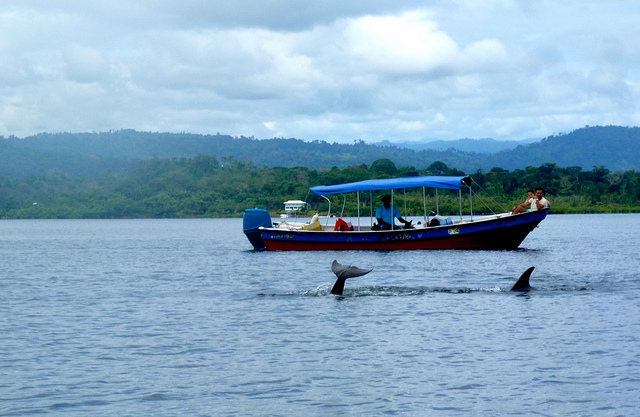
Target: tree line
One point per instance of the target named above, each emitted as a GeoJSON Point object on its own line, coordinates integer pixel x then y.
{"type": "Point", "coordinates": [96, 154]}
{"type": "Point", "coordinates": [204, 186]}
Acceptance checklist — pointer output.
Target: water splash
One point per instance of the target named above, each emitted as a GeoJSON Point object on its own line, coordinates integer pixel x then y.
{"type": "Point", "coordinates": [395, 291]}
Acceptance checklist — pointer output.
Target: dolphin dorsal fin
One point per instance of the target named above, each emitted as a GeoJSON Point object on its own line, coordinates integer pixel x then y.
{"type": "Point", "coordinates": [522, 284]}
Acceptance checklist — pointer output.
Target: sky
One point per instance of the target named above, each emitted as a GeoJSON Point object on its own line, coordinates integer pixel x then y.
{"type": "Point", "coordinates": [338, 71]}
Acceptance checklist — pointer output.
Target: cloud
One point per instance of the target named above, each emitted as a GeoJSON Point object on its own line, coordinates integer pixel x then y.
{"type": "Point", "coordinates": [85, 64]}
{"type": "Point", "coordinates": [399, 44]}
{"type": "Point", "coordinates": [361, 70]}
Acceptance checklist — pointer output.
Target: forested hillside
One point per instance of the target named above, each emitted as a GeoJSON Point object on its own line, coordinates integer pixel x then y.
{"type": "Point", "coordinates": [482, 146]}
{"type": "Point", "coordinates": [115, 150]}
{"type": "Point", "coordinates": [205, 187]}
{"type": "Point", "coordinates": [95, 154]}
{"type": "Point", "coordinates": [614, 147]}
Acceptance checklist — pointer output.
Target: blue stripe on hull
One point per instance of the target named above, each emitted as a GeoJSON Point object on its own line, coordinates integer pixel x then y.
{"type": "Point", "coordinates": [503, 233]}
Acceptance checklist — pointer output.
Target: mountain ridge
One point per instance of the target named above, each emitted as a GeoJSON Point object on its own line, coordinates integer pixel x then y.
{"type": "Point", "coordinates": [483, 145]}
{"type": "Point", "coordinates": [91, 154]}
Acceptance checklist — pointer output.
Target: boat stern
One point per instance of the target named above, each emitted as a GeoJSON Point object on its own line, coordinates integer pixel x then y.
{"type": "Point", "coordinates": [252, 220]}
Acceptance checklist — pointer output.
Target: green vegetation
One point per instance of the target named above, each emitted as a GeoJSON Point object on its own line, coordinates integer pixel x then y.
{"type": "Point", "coordinates": [98, 154]}
{"type": "Point", "coordinates": [203, 186]}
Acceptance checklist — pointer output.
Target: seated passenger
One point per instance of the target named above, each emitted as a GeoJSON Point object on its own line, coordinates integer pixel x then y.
{"type": "Point", "coordinates": [540, 202]}
{"type": "Point", "coordinates": [386, 215]}
{"type": "Point", "coordinates": [527, 205]}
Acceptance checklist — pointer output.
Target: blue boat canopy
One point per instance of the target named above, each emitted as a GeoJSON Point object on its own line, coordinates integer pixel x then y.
{"type": "Point", "coordinates": [450, 183]}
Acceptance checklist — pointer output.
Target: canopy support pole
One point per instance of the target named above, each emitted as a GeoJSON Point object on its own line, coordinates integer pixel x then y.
{"type": "Point", "coordinates": [460, 200]}
{"type": "Point", "coordinates": [328, 211]}
{"type": "Point", "coordinates": [424, 204]}
{"type": "Point", "coordinates": [358, 198]}
{"type": "Point", "coordinates": [470, 202]}
{"type": "Point", "coordinates": [371, 207]}
{"type": "Point", "coordinates": [393, 220]}
{"type": "Point", "coordinates": [404, 191]}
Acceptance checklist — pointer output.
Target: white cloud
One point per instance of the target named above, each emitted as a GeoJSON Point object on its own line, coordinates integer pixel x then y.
{"type": "Point", "coordinates": [362, 70]}
{"type": "Point", "coordinates": [399, 44]}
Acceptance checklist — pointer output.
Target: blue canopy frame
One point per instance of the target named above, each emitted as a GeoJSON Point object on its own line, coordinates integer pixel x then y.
{"type": "Point", "coordinates": [450, 183]}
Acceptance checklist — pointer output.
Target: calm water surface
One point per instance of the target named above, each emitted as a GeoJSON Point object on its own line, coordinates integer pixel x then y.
{"type": "Point", "coordinates": [180, 317]}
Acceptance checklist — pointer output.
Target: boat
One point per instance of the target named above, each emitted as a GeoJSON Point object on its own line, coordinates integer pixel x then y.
{"type": "Point", "coordinates": [500, 231]}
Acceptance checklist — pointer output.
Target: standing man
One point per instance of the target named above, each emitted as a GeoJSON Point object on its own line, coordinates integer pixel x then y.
{"type": "Point", "coordinates": [386, 215]}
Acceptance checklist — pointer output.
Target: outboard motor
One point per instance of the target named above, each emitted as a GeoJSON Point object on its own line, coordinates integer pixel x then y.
{"type": "Point", "coordinates": [252, 220]}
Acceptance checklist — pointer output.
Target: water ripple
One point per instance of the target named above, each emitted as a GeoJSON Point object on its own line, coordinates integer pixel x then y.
{"type": "Point", "coordinates": [179, 318]}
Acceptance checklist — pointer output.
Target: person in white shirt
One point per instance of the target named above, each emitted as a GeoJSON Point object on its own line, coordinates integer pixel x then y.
{"type": "Point", "coordinates": [527, 205]}
{"type": "Point", "coordinates": [541, 202]}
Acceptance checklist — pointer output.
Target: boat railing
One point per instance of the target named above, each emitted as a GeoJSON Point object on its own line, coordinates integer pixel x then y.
{"type": "Point", "coordinates": [445, 221]}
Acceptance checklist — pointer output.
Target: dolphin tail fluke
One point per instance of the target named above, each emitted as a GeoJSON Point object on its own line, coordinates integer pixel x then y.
{"type": "Point", "coordinates": [343, 272]}
{"type": "Point", "coordinates": [523, 282]}
{"type": "Point", "coordinates": [348, 271]}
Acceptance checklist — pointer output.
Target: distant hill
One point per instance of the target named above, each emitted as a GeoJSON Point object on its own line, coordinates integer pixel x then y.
{"type": "Point", "coordinates": [485, 146]}
{"type": "Point", "coordinates": [616, 148]}
{"type": "Point", "coordinates": [115, 149]}
{"type": "Point", "coordinates": [92, 154]}
{"type": "Point", "coordinates": [19, 161]}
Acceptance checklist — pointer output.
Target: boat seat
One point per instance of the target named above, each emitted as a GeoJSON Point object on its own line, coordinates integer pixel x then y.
{"type": "Point", "coordinates": [314, 224]}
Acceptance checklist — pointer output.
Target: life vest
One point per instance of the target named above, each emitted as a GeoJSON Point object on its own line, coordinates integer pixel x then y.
{"type": "Point", "coordinates": [342, 226]}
